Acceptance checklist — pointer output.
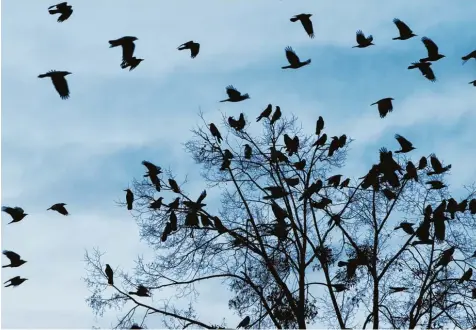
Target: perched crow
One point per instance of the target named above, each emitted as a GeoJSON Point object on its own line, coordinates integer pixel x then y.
{"type": "Point", "coordinates": [425, 70]}
{"type": "Point", "coordinates": [463, 205]}
{"type": "Point", "coordinates": [292, 181]}
{"type": "Point", "coordinates": [248, 151]}
{"type": "Point", "coordinates": [266, 112]}
{"type": "Point", "coordinates": [319, 125]}
{"type": "Point", "coordinates": [15, 259]}
{"type": "Point", "coordinates": [405, 31]}
{"type": "Point", "coordinates": [142, 291]}
{"type": "Point", "coordinates": [432, 49]}
{"type": "Point", "coordinates": [127, 44]}
{"type": "Point", "coordinates": [389, 194]}
{"type": "Point", "coordinates": [15, 281]}
{"type": "Point", "coordinates": [300, 165]}
{"type": "Point", "coordinates": [174, 205]}
{"type": "Point", "coordinates": [59, 81]}
{"type": "Point", "coordinates": [234, 95]}
{"type": "Point", "coordinates": [423, 163]}
{"type": "Point", "coordinates": [384, 106]}
{"type": "Point", "coordinates": [405, 145]}
{"type": "Point", "coordinates": [292, 145]}
{"type": "Point", "coordinates": [16, 213]}
{"type": "Point", "coordinates": [275, 192]}
{"type": "Point", "coordinates": [293, 59]}
{"type": "Point", "coordinates": [342, 140]}
{"type": "Point", "coordinates": [334, 180]}
{"type": "Point", "coordinates": [435, 184]}
{"type": "Point", "coordinates": [466, 276]}
{"type": "Point", "coordinates": [276, 115]}
{"type": "Point", "coordinates": [322, 204]}
{"type": "Point", "coordinates": [306, 23]}
{"type": "Point", "coordinates": [333, 146]}
{"type": "Point", "coordinates": [129, 198]}
{"type": "Point", "coordinates": [244, 323]}
{"type": "Point", "coordinates": [157, 204]}
{"type": "Point", "coordinates": [446, 257]}
{"type": "Point", "coordinates": [452, 207]}
{"type": "Point", "coordinates": [411, 172]}
{"type": "Point", "coordinates": [136, 326]}
{"type": "Point", "coordinates": [321, 141]}
{"type": "Point", "coordinates": [469, 56]}
{"type": "Point", "coordinates": [215, 132]}
{"type": "Point", "coordinates": [395, 289]}
{"type": "Point", "coordinates": [62, 8]}
{"type": "Point", "coordinates": [59, 207]}
{"type": "Point", "coordinates": [193, 46]}
{"type": "Point", "coordinates": [131, 63]}
{"type": "Point", "coordinates": [345, 183]}
{"type": "Point", "coordinates": [407, 227]}
{"type": "Point", "coordinates": [109, 274]}
{"type": "Point", "coordinates": [362, 41]}
{"type": "Point", "coordinates": [174, 186]}
{"type": "Point", "coordinates": [437, 167]}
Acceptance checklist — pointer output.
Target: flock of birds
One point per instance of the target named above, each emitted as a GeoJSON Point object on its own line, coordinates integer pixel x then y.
{"type": "Point", "coordinates": [387, 165]}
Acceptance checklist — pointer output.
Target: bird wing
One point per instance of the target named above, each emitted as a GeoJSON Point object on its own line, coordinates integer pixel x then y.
{"type": "Point", "coordinates": [128, 50]}
{"type": "Point", "coordinates": [435, 163]}
{"type": "Point", "coordinates": [307, 24]}
{"type": "Point", "coordinates": [402, 27]}
{"type": "Point", "coordinates": [232, 92]}
{"type": "Point", "coordinates": [293, 59]}
{"type": "Point", "coordinates": [14, 257]}
{"type": "Point", "coordinates": [404, 143]}
{"type": "Point", "coordinates": [431, 47]}
{"type": "Point", "coordinates": [65, 15]}
{"type": "Point", "coordinates": [429, 74]}
{"type": "Point", "coordinates": [360, 37]}
{"type": "Point", "coordinates": [61, 86]}
{"type": "Point", "coordinates": [194, 49]}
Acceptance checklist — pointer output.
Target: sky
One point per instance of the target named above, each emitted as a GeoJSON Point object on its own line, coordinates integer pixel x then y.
{"type": "Point", "coordinates": [85, 150]}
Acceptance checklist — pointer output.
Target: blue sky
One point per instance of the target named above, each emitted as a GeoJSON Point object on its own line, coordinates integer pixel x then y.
{"type": "Point", "coordinates": [84, 151]}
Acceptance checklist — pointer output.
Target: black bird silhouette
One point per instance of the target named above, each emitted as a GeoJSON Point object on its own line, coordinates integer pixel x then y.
{"type": "Point", "coordinates": [321, 141]}
{"type": "Point", "coordinates": [472, 206]}
{"type": "Point", "coordinates": [473, 83]}
{"type": "Point", "coordinates": [432, 49]}
{"type": "Point", "coordinates": [334, 180]}
{"type": "Point", "coordinates": [395, 289]}
{"type": "Point", "coordinates": [423, 163]}
{"type": "Point", "coordinates": [197, 205]}
{"type": "Point", "coordinates": [405, 31]}
{"type": "Point", "coordinates": [248, 151]}
{"type": "Point", "coordinates": [407, 227]}
{"type": "Point", "coordinates": [322, 204]}
{"type": "Point", "coordinates": [15, 259]}
{"type": "Point", "coordinates": [241, 123]}
{"type": "Point", "coordinates": [157, 204]}
{"type": "Point", "coordinates": [62, 8]}
{"type": "Point", "coordinates": [293, 59]}
{"type": "Point", "coordinates": [127, 44]}
{"type": "Point", "coordinates": [277, 156]}
{"type": "Point", "coordinates": [17, 213]}
{"type": "Point", "coordinates": [463, 205]}
{"type": "Point", "coordinates": [452, 207]}
{"type": "Point", "coordinates": [136, 326]}
{"type": "Point", "coordinates": [362, 41]}
{"type": "Point", "coordinates": [405, 145]}
{"type": "Point", "coordinates": [174, 186]}
{"type": "Point", "coordinates": [215, 132]}
{"type": "Point", "coordinates": [342, 140]}
{"type": "Point", "coordinates": [266, 112]}
{"type": "Point", "coordinates": [59, 81]}
{"type": "Point", "coordinates": [152, 172]}
{"type": "Point", "coordinates": [300, 165]}
{"type": "Point", "coordinates": [345, 183]}
{"type": "Point", "coordinates": [437, 166]}
{"type": "Point", "coordinates": [59, 207]}
{"type": "Point", "coordinates": [312, 189]}
{"type": "Point", "coordinates": [469, 56]}
{"type": "Point", "coordinates": [174, 205]}
{"type": "Point", "coordinates": [306, 23]}
{"type": "Point", "coordinates": [384, 106]}
{"type": "Point", "coordinates": [292, 145]}
{"type": "Point", "coordinates": [15, 281]}
{"type": "Point", "coordinates": [131, 63]}
{"type": "Point", "coordinates": [411, 172]}
{"type": "Point", "coordinates": [129, 198]}
{"type": "Point", "coordinates": [466, 276]}
{"type": "Point", "coordinates": [142, 291]}
{"type": "Point", "coordinates": [446, 257]}
{"type": "Point", "coordinates": [275, 192]}
{"type": "Point", "coordinates": [439, 222]}
{"type": "Point", "coordinates": [319, 125]}
{"type": "Point", "coordinates": [389, 194]}
{"type": "Point", "coordinates": [276, 115]}
{"type": "Point", "coordinates": [234, 95]}
{"type": "Point", "coordinates": [425, 70]}
{"type": "Point", "coordinates": [109, 274]}
{"type": "Point", "coordinates": [292, 181]}
{"type": "Point", "coordinates": [436, 185]}
{"type": "Point", "coordinates": [333, 146]}
{"type": "Point", "coordinates": [244, 323]}
{"type": "Point", "coordinates": [193, 46]}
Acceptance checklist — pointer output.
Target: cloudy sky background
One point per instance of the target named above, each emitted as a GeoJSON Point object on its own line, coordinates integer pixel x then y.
{"type": "Point", "coordinates": [84, 151]}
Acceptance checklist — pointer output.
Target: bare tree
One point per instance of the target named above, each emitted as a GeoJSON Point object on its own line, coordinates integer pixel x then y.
{"type": "Point", "coordinates": [296, 242]}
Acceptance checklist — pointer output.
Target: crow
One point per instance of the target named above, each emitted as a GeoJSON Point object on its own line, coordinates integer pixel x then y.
{"type": "Point", "coordinates": [215, 132]}
{"type": "Point", "coordinates": [322, 203]}
{"type": "Point", "coordinates": [411, 172]}
{"type": "Point", "coordinates": [275, 192]}
{"type": "Point", "coordinates": [362, 41]}
{"type": "Point", "coordinates": [292, 145]}
{"type": "Point", "coordinates": [437, 167]}
{"type": "Point", "coordinates": [136, 326]}
{"type": "Point", "coordinates": [157, 204]}
{"type": "Point", "coordinates": [405, 31]}
{"type": "Point", "coordinates": [436, 185]}
{"type": "Point", "coordinates": [446, 257]}
{"type": "Point", "coordinates": [240, 123]}
{"type": "Point", "coordinates": [306, 23]}
{"type": "Point", "coordinates": [321, 141]}
{"type": "Point", "coordinates": [59, 207]}
{"type": "Point", "coordinates": [277, 156]}
{"type": "Point", "coordinates": [234, 95]}
{"type": "Point", "coordinates": [15, 259]}
{"type": "Point", "coordinates": [407, 227]}
{"type": "Point", "coordinates": [334, 145]}
{"type": "Point", "coordinates": [432, 49]}
{"type": "Point", "coordinates": [300, 165]}
{"type": "Point", "coordinates": [395, 289]}
{"type": "Point", "coordinates": [342, 140]}
{"type": "Point", "coordinates": [174, 186]}
{"type": "Point", "coordinates": [109, 274]}
{"type": "Point", "coordinates": [293, 59]}
{"type": "Point", "coordinates": [469, 56]}
{"type": "Point", "coordinates": [423, 163]}
{"type": "Point", "coordinates": [152, 173]}
{"type": "Point", "coordinates": [127, 44]}
{"type": "Point", "coordinates": [439, 222]}
{"type": "Point", "coordinates": [62, 8]}
{"type": "Point", "coordinates": [452, 207]}
{"type": "Point", "coordinates": [142, 291]}
{"type": "Point", "coordinates": [463, 205]}
{"type": "Point", "coordinates": [345, 183]}
{"type": "Point", "coordinates": [319, 125]}
{"type": "Point", "coordinates": [276, 115]}
{"type": "Point", "coordinates": [466, 276]}
{"type": "Point", "coordinates": [17, 213]}
{"type": "Point", "coordinates": [292, 181]}
{"type": "Point", "coordinates": [129, 198]}
{"type": "Point", "coordinates": [334, 180]}
{"type": "Point", "coordinates": [248, 151]}
{"type": "Point", "coordinates": [472, 206]}
{"type": "Point", "coordinates": [132, 63]}
{"type": "Point", "coordinates": [384, 106]}
{"type": "Point", "coordinates": [193, 46]}
{"type": "Point", "coordinates": [405, 145]}
{"type": "Point", "coordinates": [59, 81]}
{"type": "Point", "coordinates": [266, 112]}
{"type": "Point", "coordinates": [425, 70]}
{"type": "Point", "coordinates": [312, 189]}
{"type": "Point", "coordinates": [389, 194]}
{"type": "Point", "coordinates": [15, 281]}
{"type": "Point", "coordinates": [244, 323]}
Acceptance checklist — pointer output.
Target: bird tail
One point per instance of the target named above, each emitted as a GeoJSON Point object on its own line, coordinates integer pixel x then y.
{"type": "Point", "coordinates": [294, 19]}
